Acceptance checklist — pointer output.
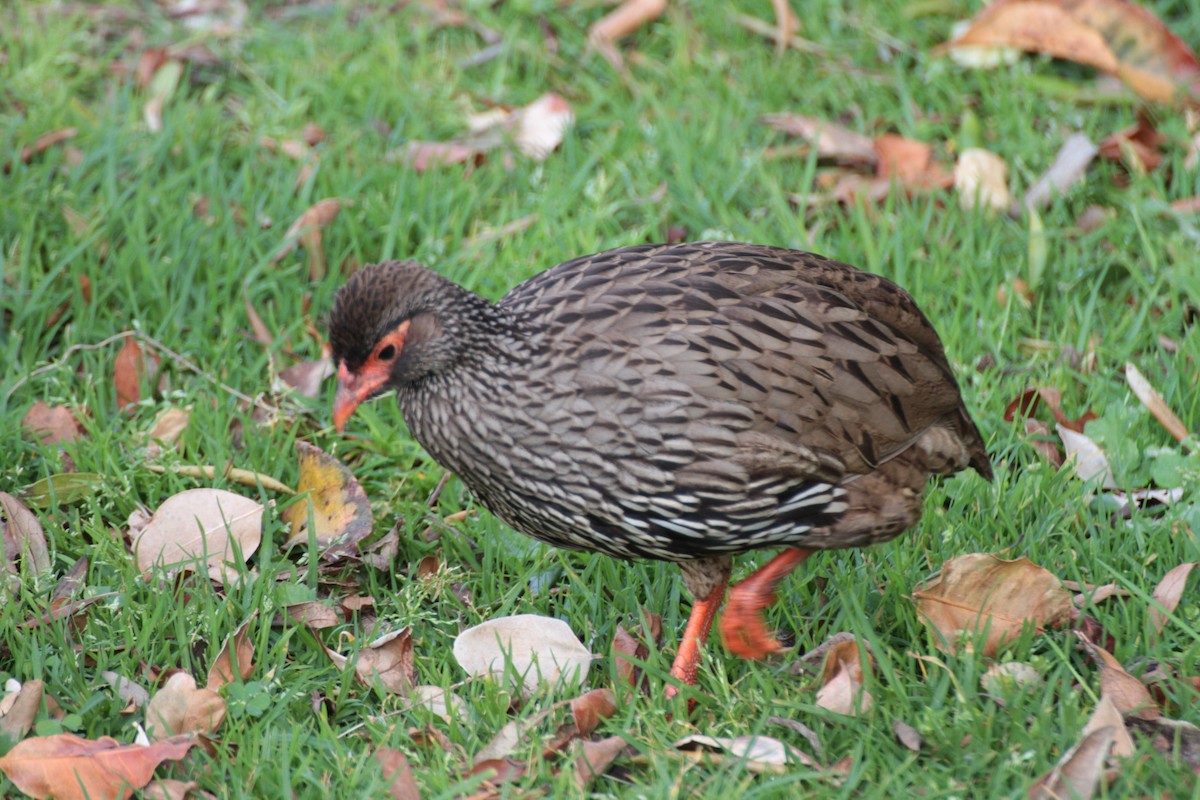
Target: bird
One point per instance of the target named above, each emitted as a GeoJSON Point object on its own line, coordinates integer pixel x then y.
{"type": "Point", "coordinates": [681, 402]}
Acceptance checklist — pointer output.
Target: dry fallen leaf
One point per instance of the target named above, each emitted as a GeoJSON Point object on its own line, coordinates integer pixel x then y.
{"type": "Point", "coordinates": [132, 366]}
{"type": "Point", "coordinates": [832, 141]}
{"type": "Point", "coordinates": [51, 425]}
{"type": "Point", "coordinates": [23, 537]}
{"type": "Point", "coordinates": [306, 230]}
{"type": "Point", "coordinates": [45, 142]}
{"type": "Point", "coordinates": [1086, 457]}
{"type": "Point", "coordinates": [212, 527]}
{"type": "Point", "coordinates": [1115, 36]}
{"type": "Point", "coordinates": [540, 650]}
{"type": "Point", "coordinates": [589, 708]}
{"type": "Point", "coordinates": [339, 507]}
{"type": "Point", "coordinates": [67, 767]}
{"type": "Point", "coordinates": [167, 429]}
{"type": "Point", "coordinates": [1138, 147]}
{"type": "Point", "coordinates": [981, 179]}
{"type": "Point", "coordinates": [307, 376]}
{"type": "Point", "coordinates": [180, 707]}
{"type": "Point", "coordinates": [842, 689]}
{"type": "Point", "coordinates": [907, 735]}
{"type": "Point", "coordinates": [760, 753]}
{"type": "Point", "coordinates": [1068, 169]}
{"type": "Point", "coordinates": [313, 614]}
{"type": "Point", "coordinates": [171, 789]}
{"type": "Point", "coordinates": [536, 130]}
{"type": "Point", "coordinates": [235, 662]}
{"type": "Point", "coordinates": [979, 592]}
{"type": "Point", "coordinates": [1107, 715]}
{"type": "Point", "coordinates": [387, 661]}
{"type": "Point", "coordinates": [1077, 773]}
{"type": "Point", "coordinates": [444, 703]}
{"type": "Point", "coordinates": [19, 710]}
{"type": "Point", "coordinates": [1168, 594]}
{"type": "Point", "coordinates": [620, 22]}
{"type": "Point", "coordinates": [1126, 692]}
{"type": "Point", "coordinates": [1155, 404]}
{"type": "Point", "coordinates": [397, 772]}
{"type": "Point", "coordinates": [594, 758]}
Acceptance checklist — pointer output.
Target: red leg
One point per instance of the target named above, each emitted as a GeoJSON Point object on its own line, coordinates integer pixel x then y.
{"type": "Point", "coordinates": [687, 660]}
{"type": "Point", "coordinates": [742, 627]}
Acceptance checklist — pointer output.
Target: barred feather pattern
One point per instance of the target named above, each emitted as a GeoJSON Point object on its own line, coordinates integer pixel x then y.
{"type": "Point", "coordinates": [675, 402]}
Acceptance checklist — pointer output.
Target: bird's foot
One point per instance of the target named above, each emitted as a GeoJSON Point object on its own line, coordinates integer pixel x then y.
{"type": "Point", "coordinates": [687, 660]}
{"type": "Point", "coordinates": [742, 628]}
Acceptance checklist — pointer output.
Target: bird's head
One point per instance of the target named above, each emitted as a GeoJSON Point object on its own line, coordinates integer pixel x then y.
{"type": "Point", "coordinates": [391, 326]}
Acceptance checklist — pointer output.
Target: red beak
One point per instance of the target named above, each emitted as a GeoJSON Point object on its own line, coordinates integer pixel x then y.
{"type": "Point", "coordinates": [353, 389]}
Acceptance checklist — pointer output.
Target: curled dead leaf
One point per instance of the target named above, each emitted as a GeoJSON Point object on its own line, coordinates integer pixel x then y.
{"type": "Point", "coordinates": [180, 707]}
{"type": "Point", "coordinates": [1078, 772]}
{"type": "Point", "coordinates": [1126, 692]}
{"type": "Point", "coordinates": [339, 507]}
{"type": "Point", "coordinates": [842, 690]}
{"type": "Point", "coordinates": [981, 594]}
{"type": "Point", "coordinates": [51, 425]}
{"type": "Point", "coordinates": [235, 662]}
{"type": "Point", "coordinates": [1167, 595]}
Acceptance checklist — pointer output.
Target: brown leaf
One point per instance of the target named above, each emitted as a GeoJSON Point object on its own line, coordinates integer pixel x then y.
{"type": "Point", "coordinates": [223, 669]}
{"type": "Point", "coordinates": [594, 758]}
{"type": "Point", "coordinates": [979, 592]}
{"type": "Point", "coordinates": [46, 141]}
{"type": "Point", "coordinates": [832, 141]}
{"type": "Point", "coordinates": [1138, 146]}
{"type": "Point", "coordinates": [907, 735]}
{"type": "Point", "coordinates": [1126, 692]}
{"type": "Point", "coordinates": [1167, 595]}
{"type": "Point", "coordinates": [842, 690]}
{"type": "Point", "coordinates": [898, 157]}
{"type": "Point", "coordinates": [388, 660]}
{"type": "Point", "coordinates": [589, 708]}
{"type": "Point", "coordinates": [339, 507]}
{"type": "Point", "coordinates": [313, 614]}
{"type": "Point", "coordinates": [1114, 36]}
{"type": "Point", "coordinates": [307, 231]}
{"type": "Point", "coordinates": [17, 720]}
{"type": "Point", "coordinates": [169, 789]}
{"type": "Point", "coordinates": [23, 537]}
{"type": "Point", "coordinates": [402, 785]}
{"type": "Point", "coordinates": [180, 707]}
{"type": "Point", "coordinates": [67, 767]}
{"type": "Point", "coordinates": [307, 376]}
{"type": "Point", "coordinates": [210, 527]}
{"type": "Point", "coordinates": [1027, 403]}
{"type": "Point", "coordinates": [625, 645]}
{"type": "Point", "coordinates": [51, 425]}
{"type": "Point", "coordinates": [131, 367]}
{"type": "Point", "coordinates": [620, 22]}
{"type": "Point", "coordinates": [1155, 403]}
{"type": "Point", "coordinates": [169, 426]}
{"type": "Point", "coordinates": [1077, 773]}
{"type": "Point", "coordinates": [424, 156]}
{"type": "Point", "coordinates": [1107, 715]}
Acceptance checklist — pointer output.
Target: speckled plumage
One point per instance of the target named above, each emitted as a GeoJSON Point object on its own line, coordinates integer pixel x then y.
{"type": "Point", "coordinates": [678, 402]}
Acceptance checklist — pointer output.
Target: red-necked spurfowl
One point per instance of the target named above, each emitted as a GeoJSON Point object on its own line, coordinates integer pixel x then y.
{"type": "Point", "coordinates": [678, 402]}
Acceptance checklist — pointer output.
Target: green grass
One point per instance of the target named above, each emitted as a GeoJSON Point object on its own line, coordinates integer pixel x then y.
{"type": "Point", "coordinates": [686, 120]}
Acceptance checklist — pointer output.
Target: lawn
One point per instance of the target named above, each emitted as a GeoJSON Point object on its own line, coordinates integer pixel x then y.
{"type": "Point", "coordinates": [167, 213]}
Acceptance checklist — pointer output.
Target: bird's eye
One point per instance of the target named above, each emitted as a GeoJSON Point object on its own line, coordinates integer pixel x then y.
{"type": "Point", "coordinates": [387, 353]}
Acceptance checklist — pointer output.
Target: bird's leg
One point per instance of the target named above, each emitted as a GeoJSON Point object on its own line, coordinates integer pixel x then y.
{"type": "Point", "coordinates": [742, 627]}
{"type": "Point", "coordinates": [706, 579]}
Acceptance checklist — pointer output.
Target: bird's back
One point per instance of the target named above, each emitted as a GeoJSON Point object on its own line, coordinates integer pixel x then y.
{"type": "Point", "coordinates": [680, 401]}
